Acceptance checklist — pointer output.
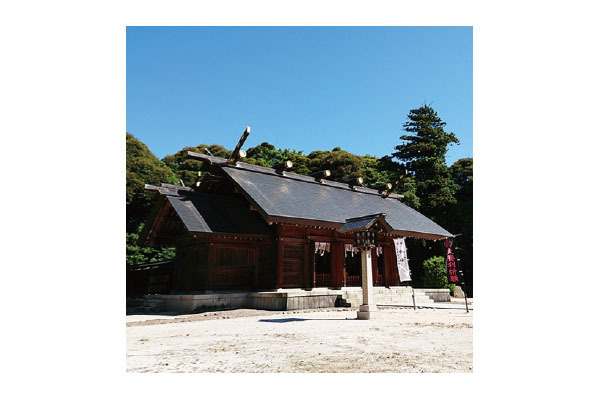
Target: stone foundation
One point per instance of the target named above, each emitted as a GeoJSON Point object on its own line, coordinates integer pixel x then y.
{"type": "Point", "coordinates": [281, 300]}
{"type": "Point", "coordinates": [437, 295]}
{"type": "Point", "coordinates": [289, 299]}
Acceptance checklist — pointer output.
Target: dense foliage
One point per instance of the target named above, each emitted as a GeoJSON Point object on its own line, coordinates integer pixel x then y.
{"type": "Point", "coordinates": [342, 164]}
{"type": "Point", "coordinates": [423, 151]}
{"type": "Point", "coordinates": [136, 254]}
{"type": "Point", "coordinates": [434, 274]}
{"type": "Point", "coordinates": [417, 169]}
{"type": "Point", "coordinates": [442, 193]}
{"type": "Point", "coordinates": [459, 218]}
{"type": "Point", "coordinates": [142, 167]}
{"type": "Point", "coordinates": [186, 169]}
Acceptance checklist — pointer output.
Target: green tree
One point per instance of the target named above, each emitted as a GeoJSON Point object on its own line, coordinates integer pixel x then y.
{"type": "Point", "coordinates": [434, 274]}
{"type": "Point", "coordinates": [142, 167]}
{"type": "Point", "coordinates": [266, 155]}
{"type": "Point", "coordinates": [460, 217]}
{"type": "Point", "coordinates": [395, 173]}
{"type": "Point", "coordinates": [186, 169]}
{"type": "Point", "coordinates": [342, 164]}
{"type": "Point", "coordinates": [423, 151]}
{"type": "Point", "coordinates": [430, 186]}
{"type": "Point", "coordinates": [136, 254]}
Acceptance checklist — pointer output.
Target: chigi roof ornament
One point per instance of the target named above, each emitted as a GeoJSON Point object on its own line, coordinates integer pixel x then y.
{"type": "Point", "coordinates": [283, 166]}
{"type": "Point", "coordinates": [321, 174]}
{"type": "Point", "coordinates": [355, 181]}
{"type": "Point", "coordinates": [238, 152]}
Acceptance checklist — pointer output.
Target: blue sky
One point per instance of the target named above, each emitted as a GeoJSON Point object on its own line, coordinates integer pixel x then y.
{"type": "Point", "coordinates": [305, 88]}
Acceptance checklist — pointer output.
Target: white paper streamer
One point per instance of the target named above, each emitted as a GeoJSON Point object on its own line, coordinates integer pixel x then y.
{"type": "Point", "coordinates": [322, 247]}
{"type": "Point", "coordinates": [402, 260]}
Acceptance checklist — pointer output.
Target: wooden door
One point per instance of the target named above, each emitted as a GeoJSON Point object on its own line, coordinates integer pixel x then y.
{"type": "Point", "coordinates": [293, 253]}
{"type": "Point", "coordinates": [352, 269]}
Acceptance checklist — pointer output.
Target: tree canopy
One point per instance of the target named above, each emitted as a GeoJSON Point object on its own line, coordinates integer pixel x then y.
{"type": "Point", "coordinates": [186, 169]}
{"type": "Point", "coordinates": [441, 193]}
{"type": "Point", "coordinates": [142, 167]}
{"type": "Point", "coordinates": [342, 164]}
{"type": "Point", "coordinates": [423, 151]}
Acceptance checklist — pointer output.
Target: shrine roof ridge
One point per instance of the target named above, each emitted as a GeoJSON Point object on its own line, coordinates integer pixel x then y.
{"type": "Point", "coordinates": [222, 162]}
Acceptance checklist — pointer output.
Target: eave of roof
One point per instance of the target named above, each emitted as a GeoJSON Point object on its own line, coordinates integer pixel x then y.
{"type": "Point", "coordinates": [210, 214]}
{"type": "Point", "coordinates": [365, 223]}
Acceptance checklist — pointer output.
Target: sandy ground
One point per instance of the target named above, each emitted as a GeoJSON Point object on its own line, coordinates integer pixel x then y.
{"type": "Point", "coordinates": [399, 340]}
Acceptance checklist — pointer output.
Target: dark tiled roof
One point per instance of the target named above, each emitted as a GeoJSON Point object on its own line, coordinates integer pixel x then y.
{"type": "Point", "coordinates": [210, 213]}
{"type": "Point", "coordinates": [286, 196]}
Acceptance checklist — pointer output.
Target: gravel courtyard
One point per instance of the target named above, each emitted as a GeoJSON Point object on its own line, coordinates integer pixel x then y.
{"type": "Point", "coordinates": [333, 340]}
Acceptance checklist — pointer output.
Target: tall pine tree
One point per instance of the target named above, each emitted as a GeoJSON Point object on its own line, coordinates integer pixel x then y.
{"type": "Point", "coordinates": [423, 151]}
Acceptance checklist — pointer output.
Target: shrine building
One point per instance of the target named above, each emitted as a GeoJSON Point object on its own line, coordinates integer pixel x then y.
{"type": "Point", "coordinates": [245, 229]}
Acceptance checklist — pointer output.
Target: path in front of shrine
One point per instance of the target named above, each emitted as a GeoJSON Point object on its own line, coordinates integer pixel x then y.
{"type": "Point", "coordinates": [398, 340]}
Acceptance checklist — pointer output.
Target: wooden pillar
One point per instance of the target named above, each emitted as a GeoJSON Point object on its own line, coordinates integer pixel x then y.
{"type": "Point", "coordinates": [374, 266]}
{"type": "Point", "coordinates": [208, 283]}
{"type": "Point", "coordinates": [255, 261]}
{"type": "Point", "coordinates": [333, 256]}
{"type": "Point", "coordinates": [307, 275]}
{"type": "Point", "coordinates": [386, 264]}
{"type": "Point", "coordinates": [394, 279]}
{"type": "Point", "coordinates": [338, 264]}
{"type": "Point", "coordinates": [279, 258]}
{"type": "Point", "coordinates": [313, 267]}
{"type": "Point", "coordinates": [279, 263]}
{"type": "Point", "coordinates": [387, 253]}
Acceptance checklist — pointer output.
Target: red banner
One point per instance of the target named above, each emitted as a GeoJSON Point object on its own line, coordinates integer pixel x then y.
{"type": "Point", "coordinates": [450, 262]}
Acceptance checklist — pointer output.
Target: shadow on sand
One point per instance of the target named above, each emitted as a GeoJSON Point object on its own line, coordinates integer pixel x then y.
{"type": "Point", "coordinates": [279, 320]}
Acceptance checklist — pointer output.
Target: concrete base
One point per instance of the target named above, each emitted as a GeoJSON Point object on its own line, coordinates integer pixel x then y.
{"type": "Point", "coordinates": [277, 300]}
{"type": "Point", "coordinates": [366, 311]}
{"type": "Point", "coordinates": [438, 295]}
{"type": "Point", "coordinates": [285, 299]}
{"type": "Point", "coordinates": [364, 315]}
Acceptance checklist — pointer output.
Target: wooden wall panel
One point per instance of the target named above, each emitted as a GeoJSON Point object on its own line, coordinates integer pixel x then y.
{"type": "Point", "coordinates": [293, 264]}
{"type": "Point", "coordinates": [190, 271]}
{"type": "Point", "coordinates": [227, 277]}
{"type": "Point", "coordinates": [267, 274]}
{"type": "Point", "coordinates": [321, 232]}
{"type": "Point", "coordinates": [233, 266]}
{"type": "Point", "coordinates": [292, 231]}
{"type": "Point", "coordinates": [392, 266]}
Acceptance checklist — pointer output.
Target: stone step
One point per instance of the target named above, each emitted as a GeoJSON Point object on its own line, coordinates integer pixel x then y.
{"type": "Point", "coordinates": [153, 304]}
{"type": "Point", "coordinates": [403, 295]}
{"type": "Point", "coordinates": [389, 297]}
{"type": "Point", "coordinates": [150, 309]}
{"type": "Point", "coordinates": [154, 301]}
{"type": "Point", "coordinates": [406, 301]}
